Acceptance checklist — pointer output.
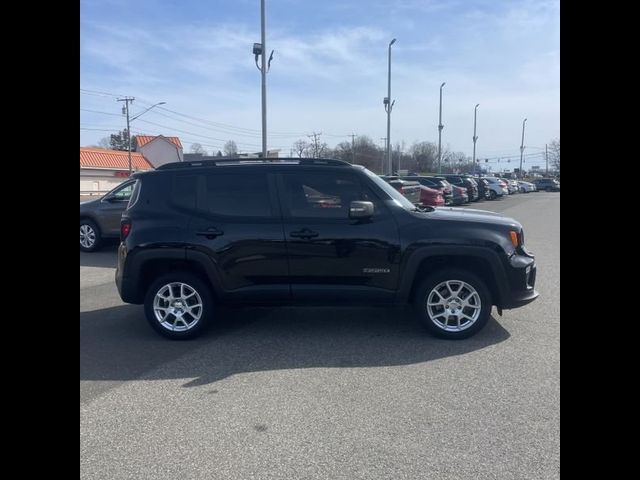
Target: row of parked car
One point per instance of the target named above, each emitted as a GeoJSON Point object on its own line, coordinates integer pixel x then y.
{"type": "Point", "coordinates": [453, 189]}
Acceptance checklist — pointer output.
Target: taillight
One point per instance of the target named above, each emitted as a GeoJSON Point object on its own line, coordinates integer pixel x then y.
{"type": "Point", "coordinates": [125, 229]}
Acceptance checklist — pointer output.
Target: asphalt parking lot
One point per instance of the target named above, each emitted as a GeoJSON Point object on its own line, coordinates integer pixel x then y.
{"type": "Point", "coordinates": [324, 393]}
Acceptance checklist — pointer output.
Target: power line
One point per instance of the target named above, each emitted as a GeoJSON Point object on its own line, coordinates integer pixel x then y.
{"type": "Point", "coordinates": [233, 127]}
{"type": "Point", "coordinates": [99, 93]}
{"type": "Point", "coordinates": [98, 111]}
{"type": "Point", "coordinates": [196, 134]}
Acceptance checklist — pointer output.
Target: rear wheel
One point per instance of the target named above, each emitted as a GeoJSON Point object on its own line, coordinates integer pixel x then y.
{"type": "Point", "coordinates": [90, 237]}
{"type": "Point", "coordinates": [178, 305]}
{"type": "Point", "coordinates": [453, 303]}
{"type": "Point", "coordinates": [492, 195]}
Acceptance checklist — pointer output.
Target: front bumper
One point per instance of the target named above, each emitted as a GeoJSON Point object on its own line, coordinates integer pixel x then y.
{"type": "Point", "coordinates": [521, 278]}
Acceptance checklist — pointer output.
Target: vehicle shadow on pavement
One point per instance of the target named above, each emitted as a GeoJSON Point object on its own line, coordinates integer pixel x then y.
{"type": "Point", "coordinates": [106, 257]}
{"type": "Point", "coordinates": [117, 344]}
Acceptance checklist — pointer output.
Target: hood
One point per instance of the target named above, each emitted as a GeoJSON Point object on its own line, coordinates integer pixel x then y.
{"type": "Point", "coordinates": [472, 215]}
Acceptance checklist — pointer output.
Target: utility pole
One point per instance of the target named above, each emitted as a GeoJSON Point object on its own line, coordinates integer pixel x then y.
{"type": "Point", "coordinates": [546, 158]}
{"type": "Point", "coordinates": [125, 110]}
{"type": "Point", "coordinates": [475, 137]}
{"type": "Point", "coordinates": [384, 144]}
{"type": "Point", "coordinates": [522, 148]}
{"type": "Point", "coordinates": [315, 143]}
{"type": "Point", "coordinates": [440, 127]}
{"type": "Point", "coordinates": [259, 50]}
{"type": "Point", "coordinates": [353, 147]}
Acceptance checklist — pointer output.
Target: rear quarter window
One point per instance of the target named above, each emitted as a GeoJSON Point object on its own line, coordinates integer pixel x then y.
{"type": "Point", "coordinates": [137, 186]}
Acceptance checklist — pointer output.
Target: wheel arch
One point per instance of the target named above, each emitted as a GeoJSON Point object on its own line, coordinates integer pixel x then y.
{"type": "Point", "coordinates": [480, 261]}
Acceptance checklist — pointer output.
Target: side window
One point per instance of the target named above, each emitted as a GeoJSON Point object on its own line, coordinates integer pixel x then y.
{"type": "Point", "coordinates": [123, 194]}
{"type": "Point", "coordinates": [137, 185]}
{"type": "Point", "coordinates": [185, 191]}
{"type": "Point", "coordinates": [323, 195]}
{"type": "Point", "coordinates": [238, 195]}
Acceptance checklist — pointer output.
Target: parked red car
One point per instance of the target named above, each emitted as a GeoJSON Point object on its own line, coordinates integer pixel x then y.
{"type": "Point", "coordinates": [431, 197]}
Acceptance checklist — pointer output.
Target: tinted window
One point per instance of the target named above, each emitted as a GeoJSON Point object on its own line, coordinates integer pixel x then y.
{"type": "Point", "coordinates": [322, 195]}
{"type": "Point", "coordinates": [428, 183]}
{"type": "Point", "coordinates": [123, 194]}
{"type": "Point", "coordinates": [184, 191]}
{"type": "Point", "coordinates": [240, 195]}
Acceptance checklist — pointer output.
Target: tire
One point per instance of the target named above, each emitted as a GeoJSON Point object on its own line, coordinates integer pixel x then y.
{"type": "Point", "coordinates": [492, 195]}
{"type": "Point", "coordinates": [191, 291]}
{"type": "Point", "coordinates": [90, 236]}
{"type": "Point", "coordinates": [434, 289]}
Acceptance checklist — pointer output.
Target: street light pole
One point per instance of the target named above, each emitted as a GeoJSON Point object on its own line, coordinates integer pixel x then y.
{"type": "Point", "coordinates": [145, 111]}
{"type": "Point", "coordinates": [259, 49]}
{"type": "Point", "coordinates": [440, 127]}
{"type": "Point", "coordinates": [126, 101]}
{"type": "Point", "coordinates": [263, 71]}
{"type": "Point", "coordinates": [384, 154]}
{"type": "Point", "coordinates": [475, 137]}
{"type": "Point", "coordinates": [388, 106]}
{"type": "Point", "coordinates": [521, 148]}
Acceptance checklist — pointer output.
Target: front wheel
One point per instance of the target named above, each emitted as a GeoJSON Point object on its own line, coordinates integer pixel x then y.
{"type": "Point", "coordinates": [453, 303]}
{"type": "Point", "coordinates": [178, 305]}
{"type": "Point", "coordinates": [492, 195]}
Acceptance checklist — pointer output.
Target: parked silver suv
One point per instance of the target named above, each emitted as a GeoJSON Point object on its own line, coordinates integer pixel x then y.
{"type": "Point", "coordinates": [497, 187]}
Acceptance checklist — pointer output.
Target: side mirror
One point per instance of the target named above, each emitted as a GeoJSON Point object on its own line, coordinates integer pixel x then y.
{"type": "Point", "coordinates": [360, 210]}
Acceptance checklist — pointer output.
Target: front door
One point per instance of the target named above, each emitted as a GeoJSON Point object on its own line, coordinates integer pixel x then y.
{"type": "Point", "coordinates": [331, 255]}
{"type": "Point", "coordinates": [112, 206]}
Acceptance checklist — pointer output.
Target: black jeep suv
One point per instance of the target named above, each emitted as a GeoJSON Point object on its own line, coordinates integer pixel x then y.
{"type": "Point", "coordinates": [197, 234]}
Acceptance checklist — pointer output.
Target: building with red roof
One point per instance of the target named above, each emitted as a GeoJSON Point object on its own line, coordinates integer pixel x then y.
{"type": "Point", "coordinates": [102, 170]}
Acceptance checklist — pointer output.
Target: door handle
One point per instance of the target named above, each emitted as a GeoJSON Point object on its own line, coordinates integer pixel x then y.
{"type": "Point", "coordinates": [305, 233]}
{"type": "Point", "coordinates": [210, 233]}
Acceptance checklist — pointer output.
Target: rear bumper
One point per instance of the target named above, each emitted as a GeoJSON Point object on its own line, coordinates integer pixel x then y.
{"type": "Point", "coordinates": [127, 288]}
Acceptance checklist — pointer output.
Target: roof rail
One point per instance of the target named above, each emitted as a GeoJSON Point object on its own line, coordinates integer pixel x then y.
{"type": "Point", "coordinates": [254, 161]}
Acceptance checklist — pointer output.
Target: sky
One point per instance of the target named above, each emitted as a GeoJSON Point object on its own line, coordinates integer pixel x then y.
{"type": "Point", "coordinates": [328, 74]}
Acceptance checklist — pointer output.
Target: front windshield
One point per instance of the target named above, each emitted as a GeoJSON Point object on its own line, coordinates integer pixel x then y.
{"type": "Point", "coordinates": [392, 192]}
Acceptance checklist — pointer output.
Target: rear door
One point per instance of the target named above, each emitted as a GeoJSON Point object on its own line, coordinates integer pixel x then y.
{"type": "Point", "coordinates": [331, 255]}
{"type": "Point", "coordinates": [237, 224]}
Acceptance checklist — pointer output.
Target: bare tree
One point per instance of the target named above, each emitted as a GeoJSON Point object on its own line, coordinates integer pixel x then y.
{"type": "Point", "coordinates": [301, 148]}
{"type": "Point", "coordinates": [425, 155]}
{"type": "Point", "coordinates": [554, 154]}
{"type": "Point", "coordinates": [104, 143]}
{"type": "Point", "coordinates": [230, 149]}
{"type": "Point", "coordinates": [197, 148]}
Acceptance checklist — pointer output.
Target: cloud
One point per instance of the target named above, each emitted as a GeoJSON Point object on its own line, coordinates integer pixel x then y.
{"type": "Point", "coordinates": [332, 76]}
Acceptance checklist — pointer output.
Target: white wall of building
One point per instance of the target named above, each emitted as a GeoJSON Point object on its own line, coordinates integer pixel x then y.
{"type": "Point", "coordinates": [160, 151]}
{"type": "Point", "coordinates": [97, 181]}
